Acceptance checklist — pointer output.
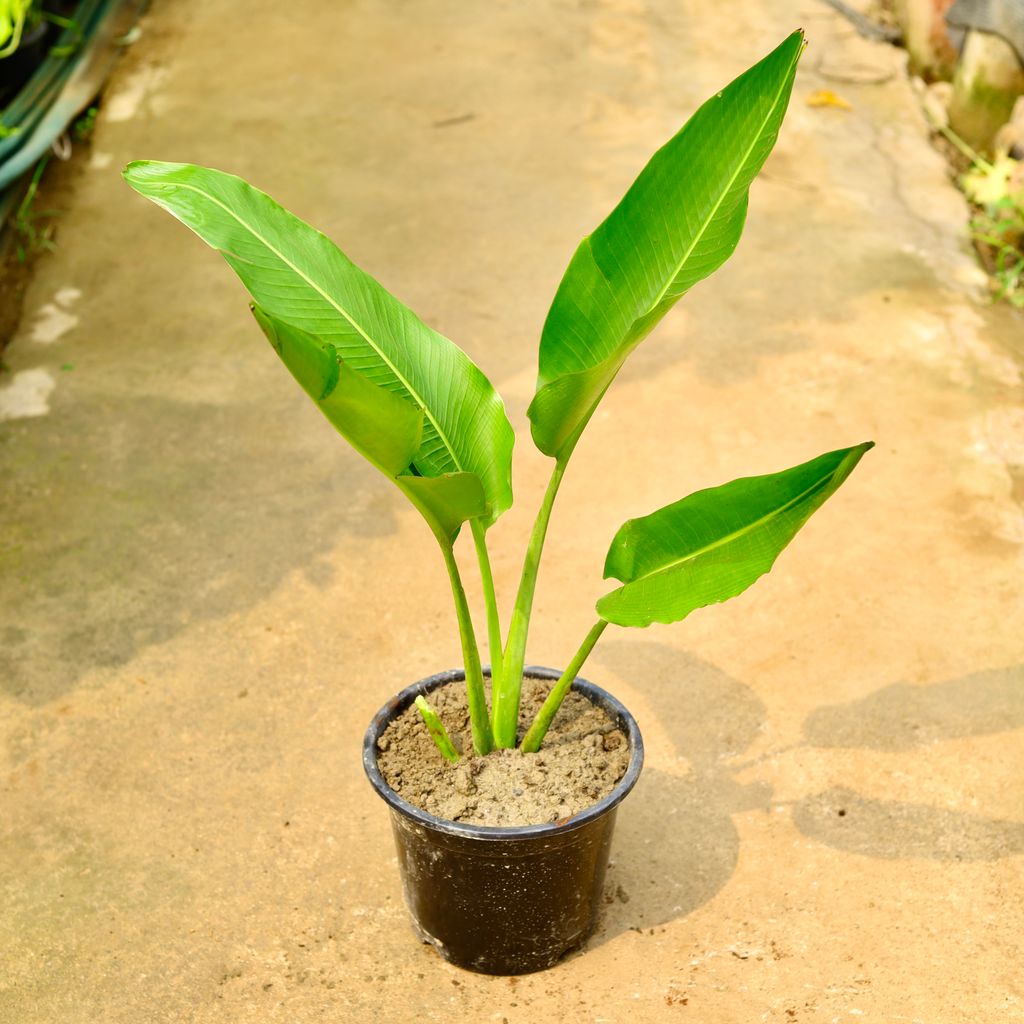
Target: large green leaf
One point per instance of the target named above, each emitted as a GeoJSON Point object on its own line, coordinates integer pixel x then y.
{"type": "Point", "coordinates": [445, 501]}
{"type": "Point", "coordinates": [680, 220]}
{"type": "Point", "coordinates": [713, 544]}
{"type": "Point", "coordinates": [381, 425]}
{"type": "Point", "coordinates": [299, 276]}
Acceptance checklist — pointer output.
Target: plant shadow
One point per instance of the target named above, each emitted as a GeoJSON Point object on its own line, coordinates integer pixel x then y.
{"type": "Point", "coordinates": [904, 717]}
{"type": "Point", "coordinates": [676, 845]}
{"type": "Point", "coordinates": [894, 830]}
{"type": "Point", "coordinates": [119, 536]}
{"type": "Point", "coordinates": [900, 718]}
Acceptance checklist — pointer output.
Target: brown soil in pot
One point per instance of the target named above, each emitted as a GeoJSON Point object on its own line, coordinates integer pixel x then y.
{"type": "Point", "coordinates": [583, 757]}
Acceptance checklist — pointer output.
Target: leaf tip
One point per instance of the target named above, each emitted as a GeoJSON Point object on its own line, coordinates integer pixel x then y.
{"type": "Point", "coordinates": [797, 39]}
{"type": "Point", "coordinates": [133, 172]}
{"type": "Point", "coordinates": [858, 451]}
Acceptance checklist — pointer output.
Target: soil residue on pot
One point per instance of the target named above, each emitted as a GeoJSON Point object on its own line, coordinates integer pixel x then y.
{"type": "Point", "coordinates": [583, 756]}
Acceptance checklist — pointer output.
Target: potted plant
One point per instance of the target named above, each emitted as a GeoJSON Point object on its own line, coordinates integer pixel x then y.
{"type": "Point", "coordinates": [507, 894]}
{"type": "Point", "coordinates": [15, 17]}
{"type": "Point", "coordinates": [25, 32]}
{"type": "Point", "coordinates": [22, 38]}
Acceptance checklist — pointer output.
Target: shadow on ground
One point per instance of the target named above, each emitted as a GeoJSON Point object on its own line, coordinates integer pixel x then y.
{"type": "Point", "coordinates": [902, 717]}
{"type": "Point", "coordinates": [905, 717]}
{"type": "Point", "coordinates": [119, 534]}
{"type": "Point", "coordinates": [676, 846]}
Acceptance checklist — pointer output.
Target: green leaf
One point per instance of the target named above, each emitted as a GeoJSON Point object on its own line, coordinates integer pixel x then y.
{"type": "Point", "coordinates": [680, 220]}
{"type": "Point", "coordinates": [438, 733]}
{"type": "Point", "coordinates": [446, 501]}
{"type": "Point", "coordinates": [381, 425]}
{"type": "Point", "coordinates": [298, 276]}
{"type": "Point", "coordinates": [713, 544]}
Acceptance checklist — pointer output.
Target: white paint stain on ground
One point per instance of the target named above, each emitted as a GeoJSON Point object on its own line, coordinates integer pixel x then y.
{"type": "Point", "coordinates": [1002, 431]}
{"type": "Point", "coordinates": [967, 332]}
{"type": "Point", "coordinates": [134, 89]}
{"type": "Point", "coordinates": [954, 343]}
{"type": "Point", "coordinates": [54, 319]}
{"type": "Point", "coordinates": [27, 394]}
{"type": "Point", "coordinates": [997, 447]}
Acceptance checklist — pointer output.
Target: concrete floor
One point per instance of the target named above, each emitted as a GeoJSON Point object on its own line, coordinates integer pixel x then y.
{"type": "Point", "coordinates": [206, 596]}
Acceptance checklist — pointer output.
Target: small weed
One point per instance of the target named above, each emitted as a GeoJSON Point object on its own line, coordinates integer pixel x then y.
{"type": "Point", "coordinates": [73, 38]}
{"type": "Point", "coordinates": [998, 231]}
{"type": "Point", "coordinates": [33, 229]}
{"type": "Point", "coordinates": [995, 189]}
{"type": "Point", "coordinates": [85, 125]}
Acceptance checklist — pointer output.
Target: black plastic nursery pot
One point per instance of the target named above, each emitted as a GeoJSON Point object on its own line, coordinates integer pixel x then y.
{"type": "Point", "coordinates": [503, 900]}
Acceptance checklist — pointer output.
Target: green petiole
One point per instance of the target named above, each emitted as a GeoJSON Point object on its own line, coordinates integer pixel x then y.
{"type": "Point", "coordinates": [437, 730]}
{"type": "Point", "coordinates": [490, 600]}
{"type": "Point", "coordinates": [537, 731]}
{"type": "Point", "coordinates": [483, 740]}
{"type": "Point", "coordinates": [507, 688]}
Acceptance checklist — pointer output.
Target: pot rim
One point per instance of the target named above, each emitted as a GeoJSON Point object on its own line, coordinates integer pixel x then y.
{"type": "Point", "coordinates": [595, 694]}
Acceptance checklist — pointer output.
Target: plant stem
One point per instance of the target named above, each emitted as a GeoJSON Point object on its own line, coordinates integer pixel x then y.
{"type": "Point", "coordinates": [18, 23]}
{"type": "Point", "coordinates": [951, 136]}
{"type": "Point", "coordinates": [506, 689]}
{"type": "Point", "coordinates": [483, 741]}
{"type": "Point", "coordinates": [490, 599]}
{"type": "Point", "coordinates": [535, 734]}
{"type": "Point", "coordinates": [437, 730]}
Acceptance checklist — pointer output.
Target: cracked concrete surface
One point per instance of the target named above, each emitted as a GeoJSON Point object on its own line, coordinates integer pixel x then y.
{"type": "Point", "coordinates": [206, 597]}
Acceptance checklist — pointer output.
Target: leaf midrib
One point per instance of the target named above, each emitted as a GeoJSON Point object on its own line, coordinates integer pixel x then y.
{"type": "Point", "coordinates": [369, 341]}
{"type": "Point", "coordinates": [729, 538]}
{"type": "Point", "coordinates": [725, 192]}
{"type": "Point", "coordinates": [697, 237]}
